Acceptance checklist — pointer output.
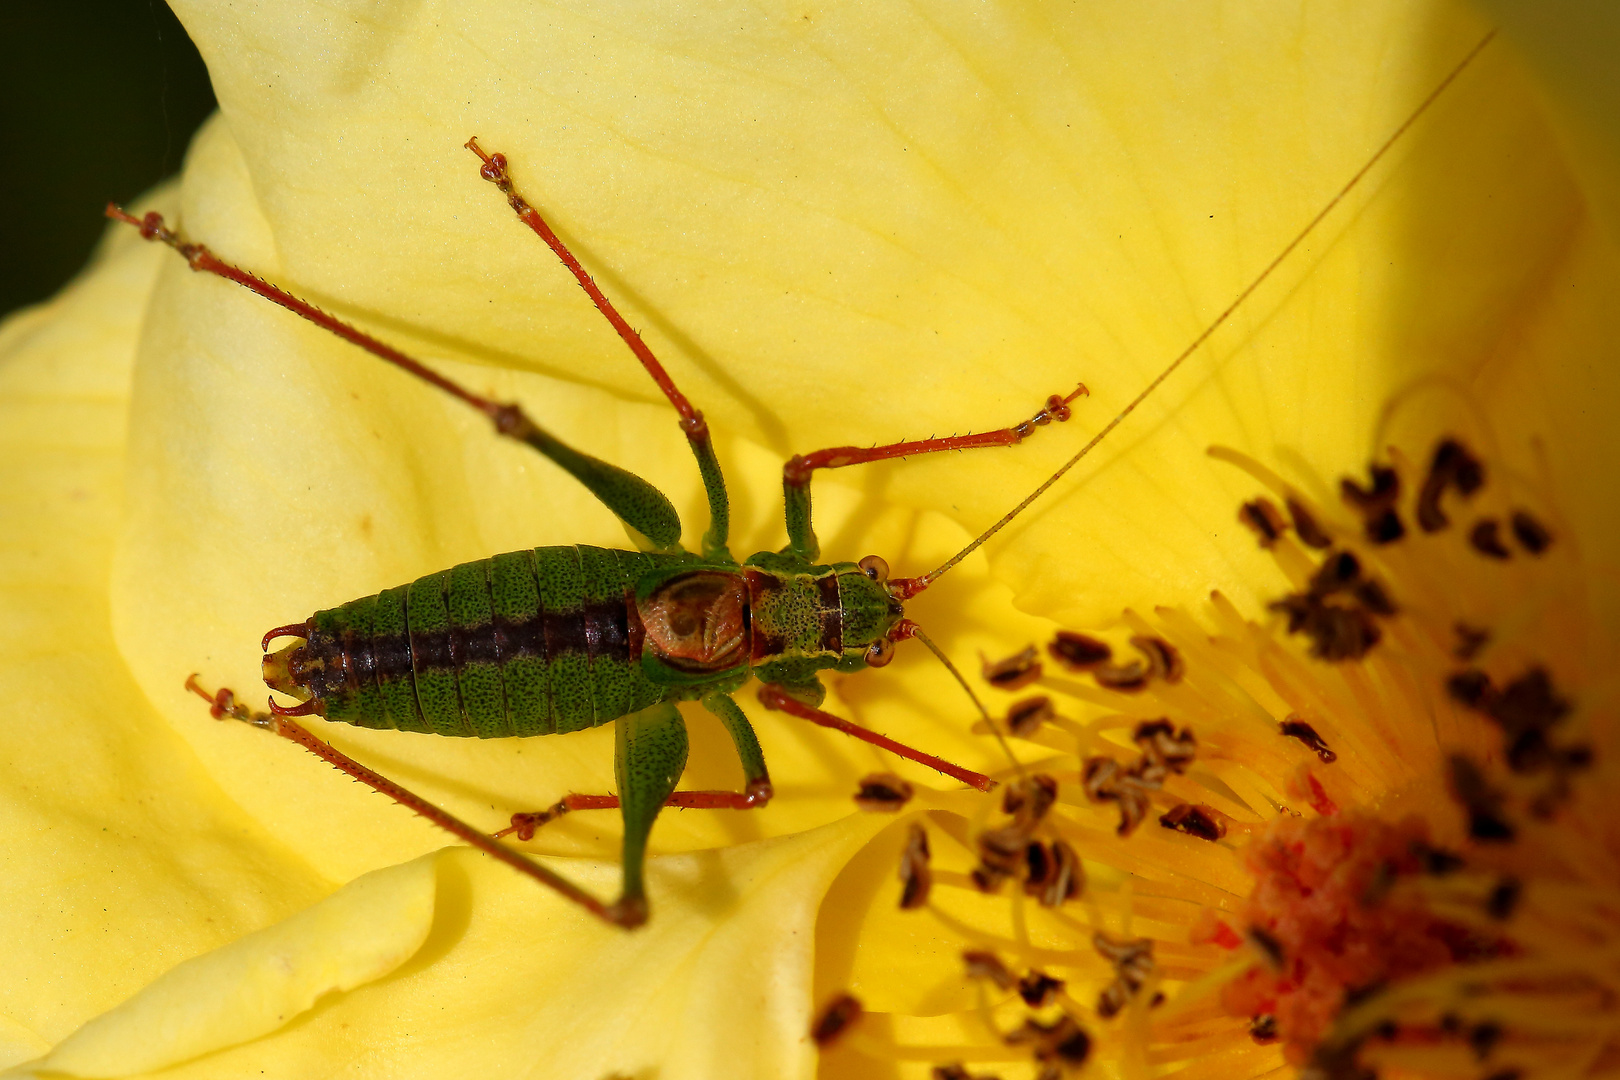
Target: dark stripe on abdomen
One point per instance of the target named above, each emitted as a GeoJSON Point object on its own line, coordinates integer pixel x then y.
{"type": "Point", "coordinates": [527, 643]}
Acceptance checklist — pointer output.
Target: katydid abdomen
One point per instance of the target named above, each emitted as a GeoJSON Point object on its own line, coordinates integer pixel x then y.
{"type": "Point", "coordinates": [533, 642]}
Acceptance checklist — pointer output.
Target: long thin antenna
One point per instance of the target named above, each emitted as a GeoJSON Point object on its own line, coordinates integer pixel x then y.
{"type": "Point", "coordinates": [995, 728]}
{"type": "Point", "coordinates": [929, 578]}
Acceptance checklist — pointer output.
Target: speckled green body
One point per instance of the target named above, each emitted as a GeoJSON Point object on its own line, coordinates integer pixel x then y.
{"type": "Point", "coordinates": [549, 640]}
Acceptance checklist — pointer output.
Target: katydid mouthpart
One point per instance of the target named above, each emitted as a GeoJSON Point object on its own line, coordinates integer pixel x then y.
{"type": "Point", "coordinates": [551, 640]}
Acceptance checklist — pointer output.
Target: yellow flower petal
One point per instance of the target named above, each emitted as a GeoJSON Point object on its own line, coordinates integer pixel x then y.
{"type": "Point", "coordinates": [835, 227]}
{"type": "Point", "coordinates": [123, 856]}
{"type": "Point", "coordinates": [261, 982]}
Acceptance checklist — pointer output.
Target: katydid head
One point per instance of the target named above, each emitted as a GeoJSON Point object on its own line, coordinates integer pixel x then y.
{"type": "Point", "coordinates": [872, 615]}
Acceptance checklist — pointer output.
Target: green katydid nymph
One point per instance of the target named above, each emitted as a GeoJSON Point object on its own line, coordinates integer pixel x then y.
{"type": "Point", "coordinates": [552, 640]}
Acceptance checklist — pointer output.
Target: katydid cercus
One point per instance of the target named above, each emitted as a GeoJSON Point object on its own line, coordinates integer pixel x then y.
{"type": "Point", "coordinates": [557, 639]}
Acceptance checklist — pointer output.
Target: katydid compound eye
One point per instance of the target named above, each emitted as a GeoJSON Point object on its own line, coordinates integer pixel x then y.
{"type": "Point", "coordinates": [875, 568]}
{"type": "Point", "coordinates": [879, 652]}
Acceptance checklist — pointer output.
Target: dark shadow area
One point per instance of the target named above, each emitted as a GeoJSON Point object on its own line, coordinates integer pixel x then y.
{"type": "Point", "coordinates": [98, 99]}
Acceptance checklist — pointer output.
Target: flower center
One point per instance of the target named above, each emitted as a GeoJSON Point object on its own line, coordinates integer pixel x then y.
{"type": "Point", "coordinates": [1365, 835]}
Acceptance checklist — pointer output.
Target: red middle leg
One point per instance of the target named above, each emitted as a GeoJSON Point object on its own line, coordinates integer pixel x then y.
{"type": "Point", "coordinates": [774, 697]}
{"type": "Point", "coordinates": [524, 824]}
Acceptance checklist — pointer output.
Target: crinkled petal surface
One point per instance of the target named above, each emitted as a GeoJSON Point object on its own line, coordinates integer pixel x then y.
{"type": "Point", "coordinates": [836, 226]}
{"type": "Point", "coordinates": [256, 984]}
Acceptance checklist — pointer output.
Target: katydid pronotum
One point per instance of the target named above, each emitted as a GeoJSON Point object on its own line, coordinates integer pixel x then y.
{"type": "Point", "coordinates": [557, 639]}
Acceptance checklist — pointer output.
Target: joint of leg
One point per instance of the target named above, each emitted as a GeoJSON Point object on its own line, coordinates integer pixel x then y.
{"type": "Point", "coordinates": [759, 792]}
{"type": "Point", "coordinates": [696, 428]}
{"type": "Point", "coordinates": [628, 911]}
{"type": "Point", "coordinates": [796, 472]}
{"type": "Point", "coordinates": [511, 421]}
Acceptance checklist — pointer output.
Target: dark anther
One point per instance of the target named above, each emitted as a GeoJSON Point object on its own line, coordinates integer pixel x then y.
{"type": "Point", "coordinates": [1133, 966]}
{"type": "Point", "coordinates": [1194, 820]}
{"type": "Point", "coordinates": [1305, 733]}
{"type": "Point", "coordinates": [1038, 989]}
{"type": "Point", "coordinates": [1263, 1029]}
{"type": "Point", "coordinates": [1452, 466]}
{"type": "Point", "coordinates": [1163, 746]}
{"type": "Point", "coordinates": [1262, 516]}
{"type": "Point", "coordinates": [1098, 776]}
{"type": "Point", "coordinates": [1355, 995]}
{"type": "Point", "coordinates": [1013, 673]}
{"type": "Point", "coordinates": [1054, 874]}
{"type": "Point", "coordinates": [1505, 1074]}
{"type": "Point", "coordinates": [1270, 948]}
{"type": "Point", "coordinates": [1471, 688]}
{"type": "Point", "coordinates": [1029, 799]}
{"type": "Point", "coordinates": [1373, 598]}
{"type": "Point", "coordinates": [1078, 652]}
{"type": "Point", "coordinates": [1074, 1047]}
{"type": "Point", "coordinates": [1164, 660]}
{"type": "Point", "coordinates": [1530, 701]}
{"type": "Point", "coordinates": [1575, 757]}
{"type": "Point", "coordinates": [1026, 717]}
{"type": "Point", "coordinates": [1339, 570]}
{"type": "Point", "coordinates": [1525, 709]}
{"type": "Point", "coordinates": [1037, 866]}
{"type": "Point", "coordinates": [1310, 533]}
{"type": "Point", "coordinates": [1386, 528]}
{"type": "Point", "coordinates": [1123, 677]}
{"type": "Point", "coordinates": [1379, 495]}
{"type": "Point", "coordinates": [1483, 1037]}
{"type": "Point", "coordinates": [883, 792]}
{"type": "Point", "coordinates": [915, 877]}
{"type": "Point", "coordinates": [1504, 898]}
{"type": "Point", "coordinates": [981, 964]}
{"type": "Point", "coordinates": [1074, 1050]}
{"type": "Point", "coordinates": [1336, 633]}
{"type": "Point", "coordinates": [1470, 640]}
{"type": "Point", "coordinates": [1482, 803]}
{"type": "Point", "coordinates": [1103, 780]}
{"type": "Point", "coordinates": [956, 1071]}
{"type": "Point", "coordinates": [1059, 1044]}
{"type": "Point", "coordinates": [1485, 538]}
{"type": "Point", "coordinates": [841, 1013]}
{"type": "Point", "coordinates": [1435, 861]}
{"type": "Point", "coordinates": [1531, 534]}
{"type": "Point", "coordinates": [1338, 1060]}
{"type": "Point", "coordinates": [1001, 851]}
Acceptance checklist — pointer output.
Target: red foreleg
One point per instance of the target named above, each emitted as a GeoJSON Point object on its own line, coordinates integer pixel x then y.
{"type": "Point", "coordinates": [798, 469]}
